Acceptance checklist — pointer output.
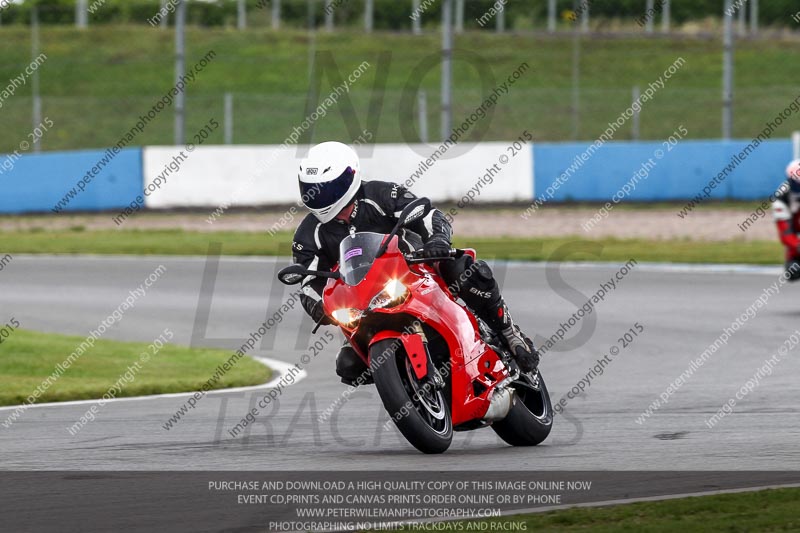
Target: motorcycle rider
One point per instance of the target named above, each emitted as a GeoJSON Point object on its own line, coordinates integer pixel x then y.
{"type": "Point", "coordinates": [786, 211]}
{"type": "Point", "coordinates": [338, 200]}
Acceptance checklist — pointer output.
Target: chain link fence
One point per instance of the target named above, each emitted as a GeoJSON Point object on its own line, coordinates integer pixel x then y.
{"type": "Point", "coordinates": [95, 96]}
{"type": "Point", "coordinates": [395, 14]}
{"type": "Point", "coordinates": [548, 114]}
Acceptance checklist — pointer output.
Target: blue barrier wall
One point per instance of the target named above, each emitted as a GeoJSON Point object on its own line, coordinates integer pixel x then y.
{"type": "Point", "coordinates": [38, 182]}
{"type": "Point", "coordinates": [680, 174]}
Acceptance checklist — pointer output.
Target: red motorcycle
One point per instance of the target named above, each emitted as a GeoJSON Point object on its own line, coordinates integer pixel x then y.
{"type": "Point", "coordinates": [436, 367]}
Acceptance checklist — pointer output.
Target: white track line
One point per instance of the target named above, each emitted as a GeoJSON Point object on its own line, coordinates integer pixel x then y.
{"type": "Point", "coordinates": [710, 268]}
{"type": "Point", "coordinates": [606, 503]}
{"type": "Point", "coordinates": [694, 268]}
{"type": "Point", "coordinates": [281, 367]}
{"type": "Point", "coordinates": [140, 258]}
{"type": "Point", "coordinates": [649, 499]}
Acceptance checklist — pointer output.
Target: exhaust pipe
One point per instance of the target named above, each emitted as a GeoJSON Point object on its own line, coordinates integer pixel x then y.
{"type": "Point", "coordinates": [500, 404]}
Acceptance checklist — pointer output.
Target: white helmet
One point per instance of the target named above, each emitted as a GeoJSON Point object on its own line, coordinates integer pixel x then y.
{"type": "Point", "coordinates": [329, 179]}
{"type": "Point", "coordinates": [793, 170]}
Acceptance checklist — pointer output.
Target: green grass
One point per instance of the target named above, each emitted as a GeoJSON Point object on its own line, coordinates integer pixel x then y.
{"type": "Point", "coordinates": [178, 242]}
{"type": "Point", "coordinates": [675, 251]}
{"type": "Point", "coordinates": [28, 357]}
{"type": "Point", "coordinates": [96, 82]}
{"type": "Point", "coordinates": [763, 511]}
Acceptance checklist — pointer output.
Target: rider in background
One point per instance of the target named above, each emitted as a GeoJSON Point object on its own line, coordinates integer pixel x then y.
{"type": "Point", "coordinates": [340, 202]}
{"type": "Point", "coordinates": [786, 210]}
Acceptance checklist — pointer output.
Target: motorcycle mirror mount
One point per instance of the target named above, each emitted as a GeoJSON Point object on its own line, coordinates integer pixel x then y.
{"type": "Point", "coordinates": [294, 274]}
{"type": "Point", "coordinates": [411, 212]}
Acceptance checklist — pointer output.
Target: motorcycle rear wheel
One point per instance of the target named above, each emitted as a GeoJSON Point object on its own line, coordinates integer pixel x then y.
{"type": "Point", "coordinates": [420, 412]}
{"type": "Point", "coordinates": [530, 419]}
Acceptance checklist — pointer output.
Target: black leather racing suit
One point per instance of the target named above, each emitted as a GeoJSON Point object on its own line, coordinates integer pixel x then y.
{"type": "Point", "coordinates": [377, 205]}
{"type": "Point", "coordinates": [786, 211]}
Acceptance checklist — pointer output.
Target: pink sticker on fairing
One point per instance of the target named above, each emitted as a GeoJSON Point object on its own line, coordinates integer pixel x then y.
{"type": "Point", "coordinates": [352, 252]}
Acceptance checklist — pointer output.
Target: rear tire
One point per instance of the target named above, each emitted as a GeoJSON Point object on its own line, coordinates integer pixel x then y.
{"type": "Point", "coordinates": [421, 414]}
{"type": "Point", "coordinates": [530, 419]}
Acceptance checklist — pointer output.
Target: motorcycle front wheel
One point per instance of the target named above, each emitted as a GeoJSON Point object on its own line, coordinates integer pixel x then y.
{"type": "Point", "coordinates": [530, 419]}
{"type": "Point", "coordinates": [419, 410]}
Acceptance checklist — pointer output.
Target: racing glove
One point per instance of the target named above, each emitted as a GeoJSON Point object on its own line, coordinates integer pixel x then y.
{"type": "Point", "coordinates": [318, 313]}
{"type": "Point", "coordinates": [437, 246]}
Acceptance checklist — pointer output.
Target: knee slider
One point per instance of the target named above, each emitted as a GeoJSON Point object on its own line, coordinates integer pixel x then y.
{"type": "Point", "coordinates": [484, 271]}
{"type": "Point", "coordinates": [482, 277]}
{"type": "Point", "coordinates": [479, 288]}
{"type": "Point", "coordinates": [455, 273]}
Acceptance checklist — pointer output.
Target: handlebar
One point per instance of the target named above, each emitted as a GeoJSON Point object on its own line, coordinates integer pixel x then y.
{"type": "Point", "coordinates": [416, 257]}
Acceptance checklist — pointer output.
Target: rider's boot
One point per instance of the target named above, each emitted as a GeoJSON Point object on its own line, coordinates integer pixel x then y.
{"type": "Point", "coordinates": [525, 354]}
{"type": "Point", "coordinates": [793, 269]}
{"type": "Point", "coordinates": [351, 368]}
{"type": "Point", "coordinates": [474, 282]}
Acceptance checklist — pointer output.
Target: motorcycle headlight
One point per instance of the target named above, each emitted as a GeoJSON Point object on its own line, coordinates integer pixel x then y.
{"type": "Point", "coordinates": [394, 293]}
{"type": "Point", "coordinates": [347, 317]}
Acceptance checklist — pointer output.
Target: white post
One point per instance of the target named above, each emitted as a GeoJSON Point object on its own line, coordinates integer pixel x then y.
{"type": "Point", "coordinates": [650, 14]}
{"type": "Point", "coordinates": [276, 14]}
{"type": "Point", "coordinates": [742, 27]}
{"type": "Point", "coordinates": [727, 73]}
{"type": "Point", "coordinates": [415, 18]}
{"type": "Point", "coordinates": [459, 16]}
{"type": "Point", "coordinates": [369, 15]}
{"type": "Point", "coordinates": [576, 83]}
{"type": "Point", "coordinates": [81, 14]}
{"type": "Point", "coordinates": [228, 118]}
{"type": "Point", "coordinates": [422, 108]}
{"type": "Point", "coordinates": [329, 15]}
{"type": "Point", "coordinates": [312, 41]}
{"type": "Point", "coordinates": [666, 14]}
{"type": "Point", "coordinates": [447, 68]}
{"type": "Point", "coordinates": [551, 15]}
{"type": "Point", "coordinates": [180, 71]}
{"type": "Point", "coordinates": [754, 17]}
{"type": "Point", "coordinates": [241, 15]}
{"type": "Point", "coordinates": [37, 99]}
{"type": "Point", "coordinates": [164, 22]}
{"type": "Point", "coordinates": [635, 125]}
{"type": "Point", "coordinates": [585, 18]}
{"type": "Point", "coordinates": [796, 145]}
{"type": "Point", "coordinates": [500, 26]}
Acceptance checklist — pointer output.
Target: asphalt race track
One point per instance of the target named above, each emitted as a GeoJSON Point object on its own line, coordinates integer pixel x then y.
{"type": "Point", "coordinates": [682, 312]}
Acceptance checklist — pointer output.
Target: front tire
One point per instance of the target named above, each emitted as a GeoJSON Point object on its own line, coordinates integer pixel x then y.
{"type": "Point", "coordinates": [421, 413]}
{"type": "Point", "coordinates": [530, 419]}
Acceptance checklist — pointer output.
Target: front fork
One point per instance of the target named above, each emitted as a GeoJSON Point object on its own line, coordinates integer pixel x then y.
{"type": "Point", "coordinates": [415, 344]}
{"type": "Point", "coordinates": [433, 376]}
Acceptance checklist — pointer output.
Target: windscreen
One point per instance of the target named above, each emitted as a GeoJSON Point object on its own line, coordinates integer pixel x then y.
{"type": "Point", "coordinates": [356, 255]}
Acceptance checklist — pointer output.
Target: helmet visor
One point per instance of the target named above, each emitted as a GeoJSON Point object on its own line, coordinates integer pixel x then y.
{"type": "Point", "coordinates": [327, 193]}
